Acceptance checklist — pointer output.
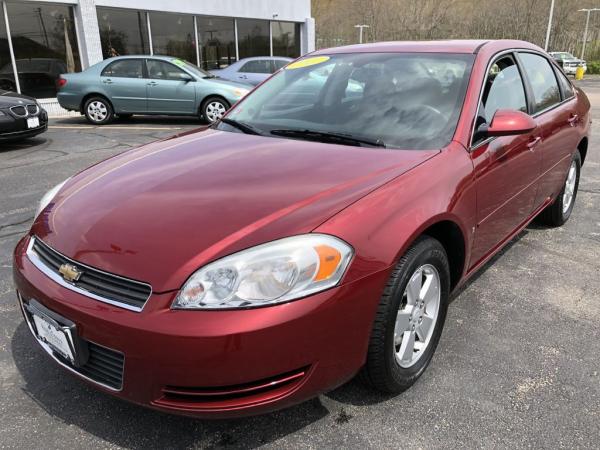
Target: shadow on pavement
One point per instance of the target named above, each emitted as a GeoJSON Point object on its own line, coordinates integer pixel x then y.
{"type": "Point", "coordinates": [8, 146]}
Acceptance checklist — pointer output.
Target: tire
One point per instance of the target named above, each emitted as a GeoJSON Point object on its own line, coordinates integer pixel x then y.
{"type": "Point", "coordinates": [98, 111]}
{"type": "Point", "coordinates": [213, 108]}
{"type": "Point", "coordinates": [560, 210]}
{"type": "Point", "coordinates": [389, 368]}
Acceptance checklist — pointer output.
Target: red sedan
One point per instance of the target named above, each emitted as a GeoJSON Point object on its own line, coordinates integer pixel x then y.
{"type": "Point", "coordinates": [314, 233]}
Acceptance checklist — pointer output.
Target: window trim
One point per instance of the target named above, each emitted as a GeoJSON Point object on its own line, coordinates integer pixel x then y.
{"type": "Point", "coordinates": [144, 71]}
{"type": "Point", "coordinates": [494, 57]}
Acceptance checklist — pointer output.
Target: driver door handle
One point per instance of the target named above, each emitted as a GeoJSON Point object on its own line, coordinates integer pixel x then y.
{"type": "Point", "coordinates": [532, 144]}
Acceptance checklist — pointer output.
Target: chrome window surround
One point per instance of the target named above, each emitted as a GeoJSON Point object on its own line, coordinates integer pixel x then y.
{"type": "Point", "coordinates": [481, 88]}
{"type": "Point", "coordinates": [50, 352]}
{"type": "Point", "coordinates": [27, 114]}
{"type": "Point", "coordinates": [37, 262]}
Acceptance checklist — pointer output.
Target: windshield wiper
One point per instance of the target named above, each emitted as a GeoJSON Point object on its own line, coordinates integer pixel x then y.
{"type": "Point", "coordinates": [242, 126]}
{"type": "Point", "coordinates": [331, 137]}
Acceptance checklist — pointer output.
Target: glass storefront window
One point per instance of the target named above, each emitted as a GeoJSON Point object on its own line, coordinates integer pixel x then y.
{"type": "Point", "coordinates": [122, 32]}
{"type": "Point", "coordinates": [7, 77]}
{"type": "Point", "coordinates": [286, 39]}
{"type": "Point", "coordinates": [216, 38]}
{"type": "Point", "coordinates": [253, 38]}
{"type": "Point", "coordinates": [45, 45]}
{"type": "Point", "coordinates": [173, 35]}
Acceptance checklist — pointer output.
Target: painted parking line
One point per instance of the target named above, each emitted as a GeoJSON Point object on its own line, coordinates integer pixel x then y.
{"type": "Point", "coordinates": [108, 127]}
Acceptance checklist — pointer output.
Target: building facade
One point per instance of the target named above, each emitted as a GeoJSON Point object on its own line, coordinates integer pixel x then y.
{"type": "Point", "coordinates": [40, 39]}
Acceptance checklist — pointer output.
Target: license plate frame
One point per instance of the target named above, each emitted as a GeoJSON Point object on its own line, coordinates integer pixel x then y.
{"type": "Point", "coordinates": [33, 122]}
{"type": "Point", "coordinates": [55, 336]}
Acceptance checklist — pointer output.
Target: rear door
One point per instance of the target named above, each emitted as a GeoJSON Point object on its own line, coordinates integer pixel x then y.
{"type": "Point", "coordinates": [124, 82]}
{"type": "Point", "coordinates": [255, 71]}
{"type": "Point", "coordinates": [507, 167]}
{"type": "Point", "coordinates": [168, 92]}
{"type": "Point", "coordinates": [555, 111]}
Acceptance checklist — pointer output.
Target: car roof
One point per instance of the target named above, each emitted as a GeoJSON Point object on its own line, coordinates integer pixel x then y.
{"type": "Point", "coordinates": [162, 57]}
{"type": "Point", "coordinates": [255, 58]}
{"type": "Point", "coordinates": [445, 46]}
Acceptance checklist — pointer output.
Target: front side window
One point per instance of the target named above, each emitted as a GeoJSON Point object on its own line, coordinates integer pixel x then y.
{"type": "Point", "coordinates": [161, 70]}
{"type": "Point", "coordinates": [124, 68]}
{"type": "Point", "coordinates": [503, 89]}
{"type": "Point", "coordinates": [257, 66]}
{"type": "Point", "coordinates": [542, 80]}
{"type": "Point", "coordinates": [400, 100]}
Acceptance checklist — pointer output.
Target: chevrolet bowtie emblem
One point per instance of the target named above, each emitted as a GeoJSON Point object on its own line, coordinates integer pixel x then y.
{"type": "Point", "coordinates": [70, 272]}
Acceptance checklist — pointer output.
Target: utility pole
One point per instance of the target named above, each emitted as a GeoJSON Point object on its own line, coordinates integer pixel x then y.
{"type": "Point", "coordinates": [360, 34]}
{"type": "Point", "coordinates": [587, 22]}
{"type": "Point", "coordinates": [549, 25]}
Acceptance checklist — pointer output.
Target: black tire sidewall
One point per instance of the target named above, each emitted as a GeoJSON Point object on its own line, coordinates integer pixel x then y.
{"type": "Point", "coordinates": [109, 117]}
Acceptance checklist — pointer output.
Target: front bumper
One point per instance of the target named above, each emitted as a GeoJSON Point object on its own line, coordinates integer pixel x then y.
{"type": "Point", "coordinates": [219, 363]}
{"type": "Point", "coordinates": [12, 128]}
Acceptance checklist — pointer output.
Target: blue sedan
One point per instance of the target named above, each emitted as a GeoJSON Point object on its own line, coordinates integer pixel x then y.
{"type": "Point", "coordinates": [127, 85]}
{"type": "Point", "coordinates": [253, 70]}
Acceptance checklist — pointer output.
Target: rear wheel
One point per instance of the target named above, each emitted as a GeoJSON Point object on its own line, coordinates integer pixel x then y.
{"type": "Point", "coordinates": [410, 318]}
{"type": "Point", "coordinates": [213, 108]}
{"type": "Point", "coordinates": [559, 212]}
{"type": "Point", "coordinates": [98, 111]}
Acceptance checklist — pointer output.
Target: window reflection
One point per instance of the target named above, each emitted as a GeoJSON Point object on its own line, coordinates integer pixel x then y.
{"type": "Point", "coordinates": [122, 32]}
{"type": "Point", "coordinates": [6, 70]}
{"type": "Point", "coordinates": [217, 42]}
{"type": "Point", "coordinates": [253, 38]}
{"type": "Point", "coordinates": [173, 35]}
{"type": "Point", "coordinates": [286, 39]}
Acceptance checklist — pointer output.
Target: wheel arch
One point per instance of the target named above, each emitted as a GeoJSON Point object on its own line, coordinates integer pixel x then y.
{"type": "Point", "coordinates": [583, 147]}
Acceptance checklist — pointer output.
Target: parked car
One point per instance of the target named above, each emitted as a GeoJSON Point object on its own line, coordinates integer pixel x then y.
{"type": "Point", "coordinates": [568, 62]}
{"type": "Point", "coordinates": [127, 85]}
{"type": "Point", "coordinates": [20, 116]}
{"type": "Point", "coordinates": [302, 240]}
{"type": "Point", "coordinates": [37, 76]}
{"type": "Point", "coordinates": [252, 70]}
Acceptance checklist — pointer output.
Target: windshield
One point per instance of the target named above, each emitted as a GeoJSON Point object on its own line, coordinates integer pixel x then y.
{"type": "Point", "coordinates": [565, 56]}
{"type": "Point", "coordinates": [396, 100]}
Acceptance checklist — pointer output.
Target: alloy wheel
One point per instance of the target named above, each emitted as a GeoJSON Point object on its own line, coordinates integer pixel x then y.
{"type": "Point", "coordinates": [97, 111]}
{"type": "Point", "coordinates": [215, 110]}
{"type": "Point", "coordinates": [569, 190]}
{"type": "Point", "coordinates": [417, 315]}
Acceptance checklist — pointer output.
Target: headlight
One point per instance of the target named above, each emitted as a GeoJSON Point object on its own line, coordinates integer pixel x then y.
{"type": "Point", "coordinates": [48, 197]}
{"type": "Point", "coordinates": [271, 273]}
{"type": "Point", "coordinates": [240, 92]}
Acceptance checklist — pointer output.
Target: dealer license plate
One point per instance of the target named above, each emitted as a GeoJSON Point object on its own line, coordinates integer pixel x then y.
{"type": "Point", "coordinates": [54, 337]}
{"type": "Point", "coordinates": [33, 122]}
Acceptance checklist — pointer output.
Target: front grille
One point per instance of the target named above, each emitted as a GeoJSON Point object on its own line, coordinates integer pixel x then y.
{"type": "Point", "coordinates": [19, 111]}
{"type": "Point", "coordinates": [104, 286]}
{"type": "Point", "coordinates": [104, 366]}
{"type": "Point", "coordinates": [33, 110]}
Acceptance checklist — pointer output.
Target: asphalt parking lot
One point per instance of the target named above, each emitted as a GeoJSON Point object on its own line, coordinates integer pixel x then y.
{"type": "Point", "coordinates": [518, 364]}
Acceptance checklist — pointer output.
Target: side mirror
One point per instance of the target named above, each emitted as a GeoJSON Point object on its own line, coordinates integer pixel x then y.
{"type": "Point", "coordinates": [510, 122]}
{"type": "Point", "coordinates": [185, 77]}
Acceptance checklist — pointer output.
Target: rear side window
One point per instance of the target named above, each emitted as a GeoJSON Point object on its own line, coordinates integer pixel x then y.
{"type": "Point", "coordinates": [565, 85]}
{"type": "Point", "coordinates": [124, 68]}
{"type": "Point", "coordinates": [257, 66]}
{"type": "Point", "coordinates": [542, 80]}
{"type": "Point", "coordinates": [503, 89]}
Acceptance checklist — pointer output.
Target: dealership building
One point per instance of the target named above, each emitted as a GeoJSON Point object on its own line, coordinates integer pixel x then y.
{"type": "Point", "coordinates": [41, 39]}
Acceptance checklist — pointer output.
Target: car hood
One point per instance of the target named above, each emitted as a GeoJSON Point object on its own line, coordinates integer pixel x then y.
{"type": "Point", "coordinates": [9, 98]}
{"type": "Point", "coordinates": [159, 212]}
{"type": "Point", "coordinates": [222, 82]}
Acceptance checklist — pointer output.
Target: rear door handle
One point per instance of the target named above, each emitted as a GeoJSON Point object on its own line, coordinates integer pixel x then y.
{"type": "Point", "coordinates": [244, 77]}
{"type": "Point", "coordinates": [107, 81]}
{"type": "Point", "coordinates": [152, 83]}
{"type": "Point", "coordinates": [573, 119]}
{"type": "Point", "coordinates": [534, 142]}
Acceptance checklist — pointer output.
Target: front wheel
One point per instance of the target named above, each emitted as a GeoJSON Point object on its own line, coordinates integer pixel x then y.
{"type": "Point", "coordinates": [213, 108]}
{"type": "Point", "coordinates": [409, 319]}
{"type": "Point", "coordinates": [559, 212]}
{"type": "Point", "coordinates": [98, 111]}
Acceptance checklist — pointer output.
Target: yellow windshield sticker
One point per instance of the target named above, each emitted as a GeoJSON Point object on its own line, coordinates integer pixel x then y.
{"type": "Point", "coordinates": [178, 62]}
{"type": "Point", "coordinates": [307, 62]}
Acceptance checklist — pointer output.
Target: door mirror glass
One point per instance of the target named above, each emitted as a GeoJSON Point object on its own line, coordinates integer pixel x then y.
{"type": "Point", "coordinates": [509, 122]}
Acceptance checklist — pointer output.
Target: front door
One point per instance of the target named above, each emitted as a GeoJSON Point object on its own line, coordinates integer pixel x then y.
{"type": "Point", "coordinates": [507, 167]}
{"type": "Point", "coordinates": [124, 84]}
{"type": "Point", "coordinates": [170, 90]}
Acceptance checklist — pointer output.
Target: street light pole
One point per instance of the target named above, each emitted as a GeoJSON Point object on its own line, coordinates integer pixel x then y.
{"type": "Point", "coordinates": [585, 32]}
{"type": "Point", "coordinates": [549, 25]}
{"type": "Point", "coordinates": [360, 34]}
